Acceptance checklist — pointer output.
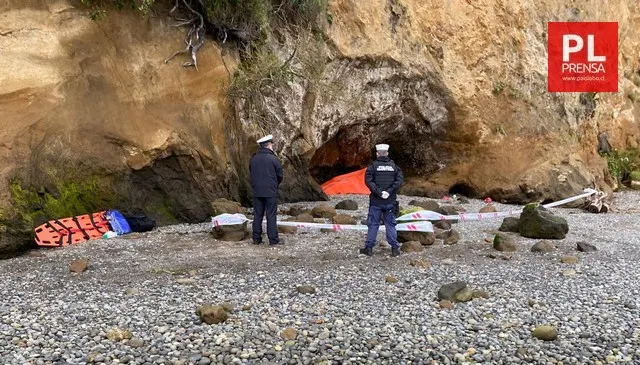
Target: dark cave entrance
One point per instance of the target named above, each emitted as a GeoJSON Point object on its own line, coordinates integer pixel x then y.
{"type": "Point", "coordinates": [353, 148]}
{"type": "Point", "coordinates": [463, 189]}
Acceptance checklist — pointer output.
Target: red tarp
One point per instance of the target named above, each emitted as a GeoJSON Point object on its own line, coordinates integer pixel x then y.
{"type": "Point", "coordinates": [351, 183]}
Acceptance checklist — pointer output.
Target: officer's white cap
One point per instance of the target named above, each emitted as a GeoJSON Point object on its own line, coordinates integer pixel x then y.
{"type": "Point", "coordinates": [265, 139]}
{"type": "Point", "coordinates": [382, 147]}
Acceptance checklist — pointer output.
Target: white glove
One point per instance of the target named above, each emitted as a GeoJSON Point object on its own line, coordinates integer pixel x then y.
{"type": "Point", "coordinates": [385, 195]}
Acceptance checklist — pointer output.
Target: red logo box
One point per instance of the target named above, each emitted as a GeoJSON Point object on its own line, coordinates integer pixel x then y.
{"type": "Point", "coordinates": [583, 57]}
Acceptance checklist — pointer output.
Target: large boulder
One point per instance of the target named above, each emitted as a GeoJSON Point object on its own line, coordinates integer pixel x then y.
{"type": "Point", "coordinates": [233, 232]}
{"type": "Point", "coordinates": [222, 205]}
{"type": "Point", "coordinates": [538, 222]}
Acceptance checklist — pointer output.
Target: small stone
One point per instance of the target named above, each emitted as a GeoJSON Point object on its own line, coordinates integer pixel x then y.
{"type": "Point", "coordinates": [586, 247]}
{"type": "Point", "coordinates": [489, 208]}
{"type": "Point", "coordinates": [343, 219]}
{"type": "Point", "coordinates": [451, 237]}
{"type": "Point", "coordinates": [247, 307]}
{"type": "Point", "coordinates": [391, 279]}
{"type": "Point", "coordinates": [323, 211]}
{"type": "Point", "coordinates": [212, 314]}
{"type": "Point", "coordinates": [421, 264]}
{"type": "Point", "coordinates": [444, 225]}
{"type": "Point", "coordinates": [227, 306]}
{"type": "Point", "coordinates": [448, 291]}
{"type": "Point", "coordinates": [543, 246]}
{"type": "Point", "coordinates": [79, 266]}
{"type": "Point", "coordinates": [477, 294]}
{"type": "Point", "coordinates": [463, 295]}
{"type": "Point", "coordinates": [411, 246]}
{"type": "Point", "coordinates": [504, 242]}
{"type": "Point", "coordinates": [117, 334]}
{"type": "Point", "coordinates": [306, 289]}
{"type": "Point", "coordinates": [347, 205]}
{"type": "Point", "coordinates": [289, 334]}
{"type": "Point", "coordinates": [569, 260]}
{"type": "Point", "coordinates": [569, 272]}
{"type": "Point", "coordinates": [131, 291]}
{"type": "Point", "coordinates": [185, 281]}
{"type": "Point", "coordinates": [304, 218]}
{"type": "Point", "coordinates": [545, 333]}
{"type": "Point", "coordinates": [447, 262]}
{"type": "Point", "coordinates": [135, 343]}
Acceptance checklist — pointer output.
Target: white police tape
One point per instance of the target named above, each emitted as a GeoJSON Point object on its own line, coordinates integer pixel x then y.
{"type": "Point", "coordinates": [427, 215]}
{"type": "Point", "coordinates": [231, 219]}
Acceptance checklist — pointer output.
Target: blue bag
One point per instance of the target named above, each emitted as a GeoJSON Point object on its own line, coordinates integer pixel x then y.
{"type": "Point", "coordinates": [118, 222]}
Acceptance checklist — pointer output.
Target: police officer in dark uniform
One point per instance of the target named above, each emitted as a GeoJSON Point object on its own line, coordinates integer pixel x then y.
{"type": "Point", "coordinates": [266, 176]}
{"type": "Point", "coordinates": [383, 177]}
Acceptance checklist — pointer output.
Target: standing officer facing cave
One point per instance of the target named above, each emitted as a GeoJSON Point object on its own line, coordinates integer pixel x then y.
{"type": "Point", "coordinates": [383, 177]}
{"type": "Point", "coordinates": [266, 176]}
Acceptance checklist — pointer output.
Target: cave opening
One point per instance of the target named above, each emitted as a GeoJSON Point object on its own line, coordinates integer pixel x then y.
{"type": "Point", "coordinates": [463, 189]}
{"type": "Point", "coordinates": [353, 148]}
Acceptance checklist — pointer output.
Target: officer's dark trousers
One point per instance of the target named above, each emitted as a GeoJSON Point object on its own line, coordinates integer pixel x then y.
{"type": "Point", "coordinates": [373, 223]}
{"type": "Point", "coordinates": [270, 207]}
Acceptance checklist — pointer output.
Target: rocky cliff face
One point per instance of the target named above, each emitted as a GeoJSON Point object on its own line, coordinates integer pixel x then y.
{"type": "Point", "coordinates": [457, 88]}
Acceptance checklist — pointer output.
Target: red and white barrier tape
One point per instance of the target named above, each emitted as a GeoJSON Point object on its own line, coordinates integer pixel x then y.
{"type": "Point", "coordinates": [422, 217]}
{"type": "Point", "coordinates": [427, 215]}
{"type": "Point", "coordinates": [230, 219]}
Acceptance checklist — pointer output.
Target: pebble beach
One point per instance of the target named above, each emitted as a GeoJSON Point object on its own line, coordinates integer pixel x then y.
{"type": "Point", "coordinates": [136, 303]}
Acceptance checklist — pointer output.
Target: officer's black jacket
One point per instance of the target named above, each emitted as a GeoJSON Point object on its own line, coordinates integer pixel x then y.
{"type": "Point", "coordinates": [383, 175]}
{"type": "Point", "coordinates": [266, 173]}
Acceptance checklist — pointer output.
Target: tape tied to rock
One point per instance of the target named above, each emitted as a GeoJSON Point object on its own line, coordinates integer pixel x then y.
{"type": "Point", "coordinates": [231, 219]}
{"type": "Point", "coordinates": [428, 215]}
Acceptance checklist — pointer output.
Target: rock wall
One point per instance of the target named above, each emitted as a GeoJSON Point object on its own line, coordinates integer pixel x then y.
{"type": "Point", "coordinates": [94, 99]}
{"type": "Point", "coordinates": [457, 88]}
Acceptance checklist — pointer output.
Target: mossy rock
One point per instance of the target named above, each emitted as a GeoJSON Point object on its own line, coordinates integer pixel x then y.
{"type": "Point", "coordinates": [538, 222]}
{"type": "Point", "coordinates": [15, 240]}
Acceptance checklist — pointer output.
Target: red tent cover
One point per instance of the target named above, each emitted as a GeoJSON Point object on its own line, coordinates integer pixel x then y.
{"type": "Point", "coordinates": [351, 183]}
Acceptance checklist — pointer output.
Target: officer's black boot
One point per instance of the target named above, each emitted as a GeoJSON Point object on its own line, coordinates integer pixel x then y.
{"type": "Point", "coordinates": [367, 251]}
{"type": "Point", "coordinates": [395, 251]}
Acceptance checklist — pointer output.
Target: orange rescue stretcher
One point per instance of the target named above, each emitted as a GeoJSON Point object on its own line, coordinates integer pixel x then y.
{"type": "Point", "coordinates": [69, 231]}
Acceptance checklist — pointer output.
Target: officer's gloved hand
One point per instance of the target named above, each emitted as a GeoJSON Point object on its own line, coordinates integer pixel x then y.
{"type": "Point", "coordinates": [385, 195]}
